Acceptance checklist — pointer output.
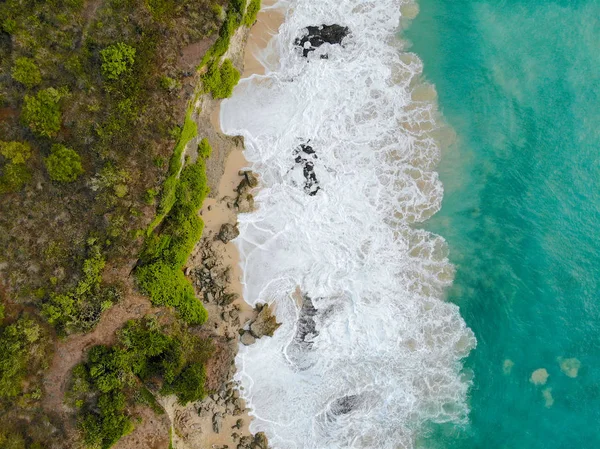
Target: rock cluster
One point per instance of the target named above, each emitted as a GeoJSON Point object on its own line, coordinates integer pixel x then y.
{"type": "Point", "coordinates": [265, 323]}
{"type": "Point", "coordinates": [244, 200]}
{"type": "Point", "coordinates": [318, 35]}
{"type": "Point", "coordinates": [212, 278]}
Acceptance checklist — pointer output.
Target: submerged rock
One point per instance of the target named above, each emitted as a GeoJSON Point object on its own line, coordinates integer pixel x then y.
{"type": "Point", "coordinates": [305, 156]}
{"type": "Point", "coordinates": [319, 35]}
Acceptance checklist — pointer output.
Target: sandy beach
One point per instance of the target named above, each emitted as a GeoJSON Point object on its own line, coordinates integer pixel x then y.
{"type": "Point", "coordinates": [195, 426]}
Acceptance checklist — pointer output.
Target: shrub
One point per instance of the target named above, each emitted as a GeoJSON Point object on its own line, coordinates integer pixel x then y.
{"type": "Point", "coordinates": [204, 149]}
{"type": "Point", "coordinates": [17, 341]}
{"type": "Point", "coordinates": [63, 164]}
{"type": "Point", "coordinates": [168, 286]}
{"type": "Point", "coordinates": [13, 177]}
{"type": "Point", "coordinates": [112, 377]}
{"type": "Point", "coordinates": [189, 385]}
{"type": "Point", "coordinates": [220, 81]}
{"type": "Point", "coordinates": [169, 84]}
{"type": "Point", "coordinates": [117, 59]}
{"type": "Point", "coordinates": [16, 152]}
{"type": "Point", "coordinates": [42, 112]}
{"type": "Point", "coordinates": [251, 13]}
{"type": "Point", "coordinates": [26, 72]}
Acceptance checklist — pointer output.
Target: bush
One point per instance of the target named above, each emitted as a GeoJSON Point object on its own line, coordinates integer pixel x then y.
{"type": "Point", "coordinates": [42, 112]}
{"type": "Point", "coordinates": [220, 81]}
{"type": "Point", "coordinates": [251, 13]}
{"type": "Point", "coordinates": [113, 376]}
{"type": "Point", "coordinates": [167, 286]}
{"type": "Point", "coordinates": [26, 72]}
{"type": "Point", "coordinates": [189, 385]}
{"type": "Point", "coordinates": [16, 152]}
{"type": "Point", "coordinates": [204, 149]}
{"type": "Point", "coordinates": [117, 59]}
{"type": "Point", "coordinates": [63, 164]}
{"type": "Point", "coordinates": [13, 177]}
{"type": "Point", "coordinates": [17, 341]}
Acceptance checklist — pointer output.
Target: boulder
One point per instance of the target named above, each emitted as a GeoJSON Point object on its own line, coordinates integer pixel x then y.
{"type": "Point", "coordinates": [244, 203]}
{"type": "Point", "coordinates": [228, 232]}
{"type": "Point", "coordinates": [318, 35]}
{"type": "Point", "coordinates": [247, 339]}
{"type": "Point", "coordinates": [265, 323]}
{"type": "Point", "coordinates": [217, 422]}
{"type": "Point", "coordinates": [261, 440]}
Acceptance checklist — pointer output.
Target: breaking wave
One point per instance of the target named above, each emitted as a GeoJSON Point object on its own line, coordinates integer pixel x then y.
{"type": "Point", "coordinates": [345, 140]}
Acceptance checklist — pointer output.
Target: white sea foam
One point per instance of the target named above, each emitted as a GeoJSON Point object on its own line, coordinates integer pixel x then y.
{"type": "Point", "coordinates": [372, 352]}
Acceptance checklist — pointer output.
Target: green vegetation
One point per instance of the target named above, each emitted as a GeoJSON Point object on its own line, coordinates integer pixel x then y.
{"type": "Point", "coordinates": [13, 177]}
{"type": "Point", "coordinates": [251, 13]}
{"type": "Point", "coordinates": [160, 272]}
{"type": "Point", "coordinates": [117, 60]}
{"type": "Point", "coordinates": [25, 351]}
{"type": "Point", "coordinates": [220, 80]}
{"type": "Point", "coordinates": [63, 164]}
{"type": "Point", "coordinates": [16, 152]}
{"type": "Point", "coordinates": [14, 174]}
{"type": "Point", "coordinates": [26, 72]}
{"type": "Point", "coordinates": [79, 308]}
{"type": "Point", "coordinates": [167, 199]}
{"type": "Point", "coordinates": [113, 377]}
{"type": "Point", "coordinates": [42, 112]}
{"type": "Point", "coordinates": [78, 83]}
{"type": "Point", "coordinates": [204, 149]}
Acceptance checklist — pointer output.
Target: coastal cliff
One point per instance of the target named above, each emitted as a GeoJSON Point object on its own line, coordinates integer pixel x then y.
{"type": "Point", "coordinates": [103, 354]}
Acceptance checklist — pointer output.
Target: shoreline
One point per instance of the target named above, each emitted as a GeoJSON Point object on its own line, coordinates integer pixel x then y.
{"type": "Point", "coordinates": [222, 419]}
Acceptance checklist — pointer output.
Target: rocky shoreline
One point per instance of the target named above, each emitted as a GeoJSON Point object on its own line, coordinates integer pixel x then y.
{"type": "Point", "coordinates": [221, 420]}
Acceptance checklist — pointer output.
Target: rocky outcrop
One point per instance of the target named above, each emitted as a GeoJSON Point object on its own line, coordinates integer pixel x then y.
{"type": "Point", "coordinates": [305, 156]}
{"type": "Point", "coordinates": [228, 232]}
{"type": "Point", "coordinates": [265, 322]}
{"type": "Point", "coordinates": [318, 35]}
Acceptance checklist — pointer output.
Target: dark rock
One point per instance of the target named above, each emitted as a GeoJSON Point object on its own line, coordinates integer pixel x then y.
{"type": "Point", "coordinates": [228, 232]}
{"type": "Point", "coordinates": [306, 329]}
{"type": "Point", "coordinates": [260, 439]}
{"type": "Point", "coordinates": [228, 298]}
{"type": "Point", "coordinates": [318, 35]}
{"type": "Point", "coordinates": [305, 155]}
{"type": "Point", "coordinates": [238, 424]}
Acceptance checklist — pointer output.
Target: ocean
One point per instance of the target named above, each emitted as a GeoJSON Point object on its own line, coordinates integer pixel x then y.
{"type": "Point", "coordinates": [519, 82]}
{"type": "Point", "coordinates": [430, 252]}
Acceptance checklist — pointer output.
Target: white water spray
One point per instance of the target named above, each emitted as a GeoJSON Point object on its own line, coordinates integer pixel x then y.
{"type": "Point", "coordinates": [368, 351]}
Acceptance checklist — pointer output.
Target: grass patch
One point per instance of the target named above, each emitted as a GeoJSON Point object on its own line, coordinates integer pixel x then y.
{"type": "Point", "coordinates": [167, 198]}
{"type": "Point", "coordinates": [166, 251]}
{"type": "Point", "coordinates": [251, 13]}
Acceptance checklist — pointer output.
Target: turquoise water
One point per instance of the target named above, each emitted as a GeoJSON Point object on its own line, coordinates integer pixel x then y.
{"type": "Point", "coordinates": [519, 81]}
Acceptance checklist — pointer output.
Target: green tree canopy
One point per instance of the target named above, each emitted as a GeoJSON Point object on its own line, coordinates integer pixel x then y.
{"type": "Point", "coordinates": [16, 152]}
{"type": "Point", "coordinates": [26, 72]}
{"type": "Point", "coordinates": [42, 112]}
{"type": "Point", "coordinates": [117, 59]}
{"type": "Point", "coordinates": [63, 164]}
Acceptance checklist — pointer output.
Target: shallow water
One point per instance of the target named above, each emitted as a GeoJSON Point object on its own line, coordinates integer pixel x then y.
{"type": "Point", "coordinates": [346, 148]}
{"type": "Point", "coordinates": [519, 82]}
